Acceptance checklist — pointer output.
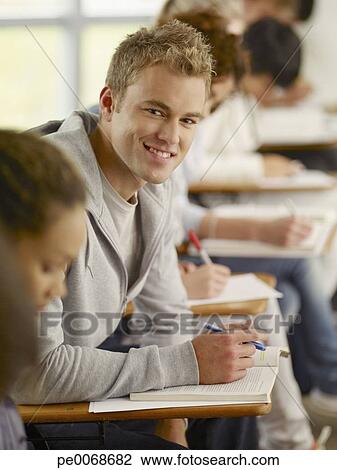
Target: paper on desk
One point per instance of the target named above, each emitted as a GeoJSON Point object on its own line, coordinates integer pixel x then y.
{"type": "Point", "coordinates": [297, 125]}
{"type": "Point", "coordinates": [125, 404]}
{"type": "Point", "coordinates": [304, 179]}
{"type": "Point", "coordinates": [241, 288]}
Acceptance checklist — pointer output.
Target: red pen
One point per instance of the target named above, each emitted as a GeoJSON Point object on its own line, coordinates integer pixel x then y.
{"type": "Point", "coordinates": [196, 242]}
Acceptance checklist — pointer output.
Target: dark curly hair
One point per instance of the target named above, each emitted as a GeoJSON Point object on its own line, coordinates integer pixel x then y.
{"type": "Point", "coordinates": [35, 179]}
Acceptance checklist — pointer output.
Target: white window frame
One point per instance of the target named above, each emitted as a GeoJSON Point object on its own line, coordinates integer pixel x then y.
{"type": "Point", "coordinates": [73, 22]}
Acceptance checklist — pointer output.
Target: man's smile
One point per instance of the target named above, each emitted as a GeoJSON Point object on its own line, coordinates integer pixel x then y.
{"type": "Point", "coordinates": [161, 153]}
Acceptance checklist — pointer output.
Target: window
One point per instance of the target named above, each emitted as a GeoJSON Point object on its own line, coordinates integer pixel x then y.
{"type": "Point", "coordinates": [54, 53]}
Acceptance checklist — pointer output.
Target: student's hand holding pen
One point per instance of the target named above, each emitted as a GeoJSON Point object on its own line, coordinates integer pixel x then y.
{"type": "Point", "coordinates": [206, 281]}
{"type": "Point", "coordinates": [225, 357]}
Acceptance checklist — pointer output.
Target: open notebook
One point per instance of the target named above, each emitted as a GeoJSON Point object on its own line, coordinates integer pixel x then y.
{"type": "Point", "coordinates": [241, 288]}
{"type": "Point", "coordinates": [255, 387]}
{"type": "Point", "coordinates": [323, 225]}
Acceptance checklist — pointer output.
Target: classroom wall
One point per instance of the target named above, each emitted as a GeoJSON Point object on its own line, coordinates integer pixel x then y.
{"type": "Point", "coordinates": [320, 51]}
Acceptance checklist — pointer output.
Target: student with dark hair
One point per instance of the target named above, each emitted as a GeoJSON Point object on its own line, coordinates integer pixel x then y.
{"type": "Point", "coordinates": [42, 215]}
{"type": "Point", "coordinates": [274, 51]}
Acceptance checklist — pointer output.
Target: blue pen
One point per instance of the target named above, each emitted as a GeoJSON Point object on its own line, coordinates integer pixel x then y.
{"type": "Point", "coordinates": [217, 329]}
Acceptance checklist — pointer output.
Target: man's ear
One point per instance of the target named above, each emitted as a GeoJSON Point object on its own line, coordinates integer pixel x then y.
{"type": "Point", "coordinates": [107, 104]}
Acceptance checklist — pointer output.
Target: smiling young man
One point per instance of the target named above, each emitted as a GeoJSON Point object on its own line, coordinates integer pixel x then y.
{"type": "Point", "coordinates": [154, 97]}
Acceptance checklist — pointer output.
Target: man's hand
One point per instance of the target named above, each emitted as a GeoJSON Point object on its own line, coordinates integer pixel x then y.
{"type": "Point", "coordinates": [205, 281]}
{"type": "Point", "coordinates": [224, 357]}
{"type": "Point", "coordinates": [277, 165]}
{"type": "Point", "coordinates": [287, 231]}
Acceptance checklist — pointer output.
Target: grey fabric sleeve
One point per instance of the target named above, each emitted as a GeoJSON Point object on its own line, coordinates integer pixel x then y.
{"type": "Point", "coordinates": [73, 373]}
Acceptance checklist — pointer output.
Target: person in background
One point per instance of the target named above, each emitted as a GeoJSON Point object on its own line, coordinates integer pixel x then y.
{"type": "Point", "coordinates": [273, 63]}
{"type": "Point", "coordinates": [300, 277]}
{"type": "Point", "coordinates": [203, 281]}
{"type": "Point", "coordinates": [42, 218]}
{"type": "Point", "coordinates": [287, 11]}
{"type": "Point", "coordinates": [283, 10]}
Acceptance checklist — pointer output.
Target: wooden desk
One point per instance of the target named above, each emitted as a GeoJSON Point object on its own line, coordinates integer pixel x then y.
{"type": "Point", "coordinates": [253, 307]}
{"type": "Point", "coordinates": [201, 187]}
{"type": "Point", "coordinates": [291, 147]}
{"type": "Point", "coordinates": [78, 413]}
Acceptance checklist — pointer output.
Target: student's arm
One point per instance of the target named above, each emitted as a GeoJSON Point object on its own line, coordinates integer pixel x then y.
{"type": "Point", "coordinates": [285, 231]}
{"type": "Point", "coordinates": [74, 373]}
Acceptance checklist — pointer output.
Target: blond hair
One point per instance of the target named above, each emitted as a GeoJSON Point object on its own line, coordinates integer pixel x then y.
{"type": "Point", "coordinates": [224, 45]}
{"type": "Point", "coordinates": [176, 45]}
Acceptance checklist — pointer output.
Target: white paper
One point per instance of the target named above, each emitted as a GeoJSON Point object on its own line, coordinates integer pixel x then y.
{"type": "Point", "coordinates": [241, 288]}
{"type": "Point", "coordinates": [125, 404]}
{"type": "Point", "coordinates": [294, 125]}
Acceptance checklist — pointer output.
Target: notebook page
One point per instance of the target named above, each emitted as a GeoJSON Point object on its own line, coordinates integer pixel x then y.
{"type": "Point", "coordinates": [241, 288]}
{"type": "Point", "coordinates": [258, 381]}
{"type": "Point", "coordinates": [299, 124]}
{"type": "Point", "coordinates": [125, 404]}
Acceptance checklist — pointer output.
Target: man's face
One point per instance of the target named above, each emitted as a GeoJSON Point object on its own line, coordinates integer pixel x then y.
{"type": "Point", "coordinates": [152, 128]}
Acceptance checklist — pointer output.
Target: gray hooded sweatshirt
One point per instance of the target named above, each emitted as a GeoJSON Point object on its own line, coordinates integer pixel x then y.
{"type": "Point", "coordinates": [71, 367]}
